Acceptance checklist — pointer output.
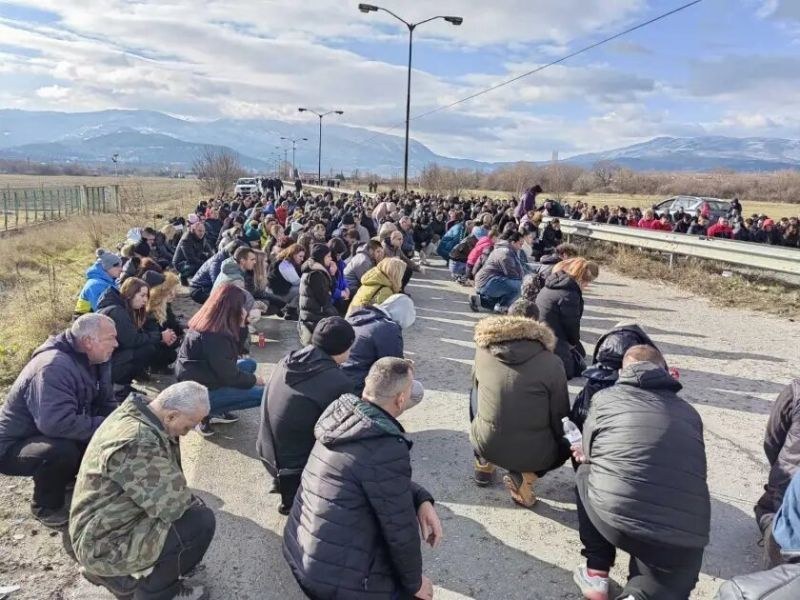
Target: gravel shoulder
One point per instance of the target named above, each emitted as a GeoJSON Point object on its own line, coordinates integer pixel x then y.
{"type": "Point", "coordinates": [733, 364]}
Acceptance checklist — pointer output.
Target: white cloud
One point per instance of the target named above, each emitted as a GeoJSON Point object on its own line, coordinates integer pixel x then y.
{"type": "Point", "coordinates": [53, 92]}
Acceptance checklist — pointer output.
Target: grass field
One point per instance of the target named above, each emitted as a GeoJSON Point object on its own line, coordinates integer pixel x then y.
{"type": "Point", "coordinates": [42, 268]}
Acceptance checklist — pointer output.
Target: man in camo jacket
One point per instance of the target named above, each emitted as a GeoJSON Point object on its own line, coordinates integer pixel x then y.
{"type": "Point", "coordinates": [136, 528]}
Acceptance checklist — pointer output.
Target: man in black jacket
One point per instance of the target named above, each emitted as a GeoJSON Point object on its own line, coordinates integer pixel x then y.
{"type": "Point", "coordinates": [301, 387]}
{"type": "Point", "coordinates": [642, 485]}
{"type": "Point", "coordinates": [192, 251]}
{"type": "Point", "coordinates": [362, 541]}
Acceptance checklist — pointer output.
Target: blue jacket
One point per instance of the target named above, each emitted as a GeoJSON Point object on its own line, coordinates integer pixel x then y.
{"type": "Point", "coordinates": [97, 281]}
{"type": "Point", "coordinates": [339, 284]}
{"type": "Point", "coordinates": [454, 235]}
{"type": "Point", "coordinates": [207, 274]}
{"type": "Point", "coordinates": [58, 394]}
{"type": "Point", "coordinates": [377, 336]}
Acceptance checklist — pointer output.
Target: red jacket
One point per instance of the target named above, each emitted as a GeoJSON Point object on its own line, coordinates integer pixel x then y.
{"type": "Point", "coordinates": [719, 230]}
{"type": "Point", "coordinates": [645, 223]}
{"type": "Point", "coordinates": [281, 214]}
{"type": "Point", "coordinates": [475, 253]}
{"type": "Point", "coordinates": [659, 226]}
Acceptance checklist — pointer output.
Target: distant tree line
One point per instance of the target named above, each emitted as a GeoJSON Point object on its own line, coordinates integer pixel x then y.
{"type": "Point", "coordinates": [559, 179]}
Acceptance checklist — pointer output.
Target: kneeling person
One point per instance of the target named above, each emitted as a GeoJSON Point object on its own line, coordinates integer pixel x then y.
{"type": "Point", "coordinates": [354, 529]}
{"type": "Point", "coordinates": [134, 524]}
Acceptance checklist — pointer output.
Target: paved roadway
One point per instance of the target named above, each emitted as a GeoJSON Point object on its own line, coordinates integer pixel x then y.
{"type": "Point", "coordinates": [733, 364]}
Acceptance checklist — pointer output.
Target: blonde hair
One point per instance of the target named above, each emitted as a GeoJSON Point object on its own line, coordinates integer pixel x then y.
{"type": "Point", "coordinates": [580, 269]}
{"type": "Point", "coordinates": [159, 297]}
{"type": "Point", "coordinates": [394, 269]}
{"type": "Point", "coordinates": [169, 231]}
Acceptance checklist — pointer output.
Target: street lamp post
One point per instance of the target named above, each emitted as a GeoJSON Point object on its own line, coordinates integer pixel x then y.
{"type": "Point", "coordinates": [319, 152]}
{"type": "Point", "coordinates": [294, 141]}
{"type": "Point", "coordinates": [368, 8]}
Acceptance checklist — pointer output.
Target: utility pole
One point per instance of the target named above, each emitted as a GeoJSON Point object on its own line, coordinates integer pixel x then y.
{"type": "Point", "coordinates": [319, 151]}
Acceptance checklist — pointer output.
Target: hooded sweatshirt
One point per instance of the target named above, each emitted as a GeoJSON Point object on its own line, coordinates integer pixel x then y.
{"type": "Point", "coordinates": [377, 336]}
{"type": "Point", "coordinates": [230, 272]}
{"type": "Point", "coordinates": [97, 281]}
{"type": "Point", "coordinates": [301, 387]}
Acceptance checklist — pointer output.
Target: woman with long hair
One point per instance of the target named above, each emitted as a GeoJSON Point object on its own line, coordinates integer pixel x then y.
{"type": "Point", "coordinates": [560, 304]}
{"type": "Point", "coordinates": [315, 292]}
{"type": "Point", "coordinates": [210, 353]}
{"type": "Point", "coordinates": [380, 282]}
{"type": "Point", "coordinates": [340, 293]}
{"type": "Point", "coordinates": [283, 277]}
{"type": "Point", "coordinates": [136, 345]}
{"type": "Point", "coordinates": [160, 318]}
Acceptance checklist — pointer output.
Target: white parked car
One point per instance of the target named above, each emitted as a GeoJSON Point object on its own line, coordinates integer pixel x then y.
{"type": "Point", "coordinates": [245, 186]}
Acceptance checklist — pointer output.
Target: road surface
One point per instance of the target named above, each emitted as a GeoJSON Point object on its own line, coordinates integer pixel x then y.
{"type": "Point", "coordinates": [732, 363]}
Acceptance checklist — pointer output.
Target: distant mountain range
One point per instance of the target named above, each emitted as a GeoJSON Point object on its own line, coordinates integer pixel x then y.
{"type": "Point", "coordinates": [147, 139]}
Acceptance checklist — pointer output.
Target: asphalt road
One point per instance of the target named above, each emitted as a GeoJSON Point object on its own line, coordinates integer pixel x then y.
{"type": "Point", "coordinates": [732, 363]}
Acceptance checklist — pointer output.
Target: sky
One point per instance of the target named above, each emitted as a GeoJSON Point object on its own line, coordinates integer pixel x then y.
{"type": "Point", "coordinates": [723, 67]}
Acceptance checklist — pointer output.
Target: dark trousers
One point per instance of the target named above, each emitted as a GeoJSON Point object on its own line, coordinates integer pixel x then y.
{"type": "Point", "coordinates": [53, 463]}
{"type": "Point", "coordinates": [129, 363]}
{"type": "Point", "coordinates": [406, 277]}
{"type": "Point", "coordinates": [655, 572]}
{"type": "Point", "coordinates": [185, 546]}
{"type": "Point", "coordinates": [199, 295]}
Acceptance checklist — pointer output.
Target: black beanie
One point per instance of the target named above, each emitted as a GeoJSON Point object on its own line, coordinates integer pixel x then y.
{"type": "Point", "coordinates": [333, 335]}
{"type": "Point", "coordinates": [142, 248]}
{"type": "Point", "coordinates": [319, 252]}
{"type": "Point", "coordinates": [153, 278]}
{"type": "Point", "coordinates": [348, 219]}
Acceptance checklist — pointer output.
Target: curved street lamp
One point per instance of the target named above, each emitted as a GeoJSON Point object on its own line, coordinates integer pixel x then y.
{"type": "Point", "coordinates": [319, 152]}
{"type": "Point", "coordinates": [368, 8]}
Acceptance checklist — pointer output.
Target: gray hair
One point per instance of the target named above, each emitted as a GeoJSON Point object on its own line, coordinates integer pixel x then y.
{"type": "Point", "coordinates": [185, 397]}
{"type": "Point", "coordinates": [387, 378]}
{"type": "Point", "coordinates": [88, 326]}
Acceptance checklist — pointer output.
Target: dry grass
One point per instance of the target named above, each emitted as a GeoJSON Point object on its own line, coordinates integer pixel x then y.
{"type": "Point", "coordinates": [704, 278]}
{"type": "Point", "coordinates": [43, 268]}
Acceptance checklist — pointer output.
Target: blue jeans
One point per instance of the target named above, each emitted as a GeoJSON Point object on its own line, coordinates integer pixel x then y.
{"type": "Point", "coordinates": [458, 269]}
{"type": "Point", "coordinates": [229, 398]}
{"type": "Point", "coordinates": [500, 290]}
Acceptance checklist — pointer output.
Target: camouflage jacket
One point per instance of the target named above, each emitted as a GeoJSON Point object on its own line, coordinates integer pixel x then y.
{"type": "Point", "coordinates": [130, 489]}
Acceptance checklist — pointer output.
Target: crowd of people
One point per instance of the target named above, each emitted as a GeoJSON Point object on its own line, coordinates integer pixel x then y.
{"type": "Point", "coordinates": [734, 225]}
{"type": "Point", "coordinates": [105, 457]}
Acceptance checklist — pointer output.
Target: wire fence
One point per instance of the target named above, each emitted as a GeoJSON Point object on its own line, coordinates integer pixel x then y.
{"type": "Point", "coordinates": [22, 207]}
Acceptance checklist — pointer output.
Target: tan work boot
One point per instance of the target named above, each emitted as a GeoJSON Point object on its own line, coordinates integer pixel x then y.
{"type": "Point", "coordinates": [484, 472]}
{"type": "Point", "coordinates": [520, 486]}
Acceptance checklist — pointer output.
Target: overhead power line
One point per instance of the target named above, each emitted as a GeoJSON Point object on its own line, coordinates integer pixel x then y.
{"type": "Point", "coordinates": [542, 67]}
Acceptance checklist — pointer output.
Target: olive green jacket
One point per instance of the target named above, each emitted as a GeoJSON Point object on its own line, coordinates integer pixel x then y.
{"type": "Point", "coordinates": [130, 489]}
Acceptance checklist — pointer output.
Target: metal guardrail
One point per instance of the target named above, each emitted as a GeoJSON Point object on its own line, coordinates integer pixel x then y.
{"type": "Point", "coordinates": [744, 254]}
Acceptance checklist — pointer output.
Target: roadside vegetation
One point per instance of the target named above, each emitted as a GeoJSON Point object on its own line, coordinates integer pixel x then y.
{"type": "Point", "coordinates": [42, 268]}
{"type": "Point", "coordinates": [709, 279]}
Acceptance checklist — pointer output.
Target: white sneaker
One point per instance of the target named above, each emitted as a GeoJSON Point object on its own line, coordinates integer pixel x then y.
{"type": "Point", "coordinates": [593, 587]}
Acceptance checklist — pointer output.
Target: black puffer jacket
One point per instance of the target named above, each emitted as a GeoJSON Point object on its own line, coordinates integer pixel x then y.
{"type": "Point", "coordinates": [780, 583]}
{"type": "Point", "coordinates": [782, 447]}
{"type": "Point", "coordinates": [646, 474]}
{"type": "Point", "coordinates": [560, 305]}
{"type": "Point", "coordinates": [210, 358]}
{"type": "Point", "coordinates": [191, 253]}
{"type": "Point", "coordinates": [353, 530]}
{"type": "Point", "coordinates": [315, 295]}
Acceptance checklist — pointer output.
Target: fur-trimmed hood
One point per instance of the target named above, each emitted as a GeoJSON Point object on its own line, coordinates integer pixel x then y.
{"type": "Point", "coordinates": [500, 329]}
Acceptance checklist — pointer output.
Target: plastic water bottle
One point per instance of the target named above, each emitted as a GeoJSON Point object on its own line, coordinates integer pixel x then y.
{"type": "Point", "coordinates": [571, 432]}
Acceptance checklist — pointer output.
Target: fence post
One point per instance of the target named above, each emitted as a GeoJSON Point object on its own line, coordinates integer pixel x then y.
{"type": "Point", "coordinates": [58, 200]}
{"type": "Point", "coordinates": [83, 203]}
{"type": "Point", "coordinates": [25, 199]}
{"type": "Point", "coordinates": [16, 210]}
{"type": "Point", "coordinates": [103, 190]}
{"type": "Point", "coordinates": [5, 211]}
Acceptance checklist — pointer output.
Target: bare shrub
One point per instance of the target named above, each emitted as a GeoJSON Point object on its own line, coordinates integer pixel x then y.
{"type": "Point", "coordinates": [217, 170]}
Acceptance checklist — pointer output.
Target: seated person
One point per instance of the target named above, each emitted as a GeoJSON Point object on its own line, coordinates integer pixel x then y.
{"type": "Point", "coordinates": [99, 277]}
{"type": "Point", "coordinates": [369, 255]}
{"type": "Point", "coordinates": [380, 282]}
{"type": "Point", "coordinates": [499, 281]}
{"type": "Point", "coordinates": [55, 405]}
{"type": "Point", "coordinates": [192, 251]}
{"type": "Point", "coordinates": [210, 354]}
{"type": "Point", "coordinates": [135, 527]}
{"type": "Point", "coordinates": [203, 281]}
{"type": "Point", "coordinates": [300, 388]}
{"type": "Point", "coordinates": [379, 332]}
{"type": "Point", "coordinates": [136, 348]}
{"type": "Point", "coordinates": [160, 318]}
{"type": "Point", "coordinates": [521, 394]}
